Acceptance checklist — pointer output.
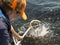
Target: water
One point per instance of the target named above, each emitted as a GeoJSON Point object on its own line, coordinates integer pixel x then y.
{"type": "Point", "coordinates": [48, 12]}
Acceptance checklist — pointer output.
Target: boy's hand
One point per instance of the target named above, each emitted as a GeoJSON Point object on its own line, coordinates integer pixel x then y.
{"type": "Point", "coordinates": [20, 38]}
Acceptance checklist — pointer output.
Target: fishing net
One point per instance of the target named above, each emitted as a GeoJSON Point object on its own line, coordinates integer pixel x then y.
{"type": "Point", "coordinates": [36, 28]}
{"type": "Point", "coordinates": [26, 29]}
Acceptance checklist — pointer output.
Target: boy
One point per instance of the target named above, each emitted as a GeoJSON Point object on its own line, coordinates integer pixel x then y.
{"type": "Point", "coordinates": [10, 9]}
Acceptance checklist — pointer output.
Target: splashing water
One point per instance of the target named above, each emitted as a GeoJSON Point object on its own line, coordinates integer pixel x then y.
{"type": "Point", "coordinates": [44, 31]}
{"type": "Point", "coordinates": [37, 31]}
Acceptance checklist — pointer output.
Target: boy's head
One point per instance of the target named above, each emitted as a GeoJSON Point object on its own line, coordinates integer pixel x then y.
{"type": "Point", "coordinates": [17, 5]}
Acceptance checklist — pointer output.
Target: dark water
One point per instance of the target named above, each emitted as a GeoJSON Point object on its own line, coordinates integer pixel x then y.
{"type": "Point", "coordinates": [47, 11]}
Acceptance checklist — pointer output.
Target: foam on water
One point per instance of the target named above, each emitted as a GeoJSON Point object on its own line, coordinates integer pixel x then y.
{"type": "Point", "coordinates": [39, 31]}
{"type": "Point", "coordinates": [44, 31]}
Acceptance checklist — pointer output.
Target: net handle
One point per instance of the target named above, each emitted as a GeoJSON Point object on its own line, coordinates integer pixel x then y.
{"type": "Point", "coordinates": [18, 42]}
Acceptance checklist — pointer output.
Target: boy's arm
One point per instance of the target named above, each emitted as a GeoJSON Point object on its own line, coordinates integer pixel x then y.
{"type": "Point", "coordinates": [15, 34]}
